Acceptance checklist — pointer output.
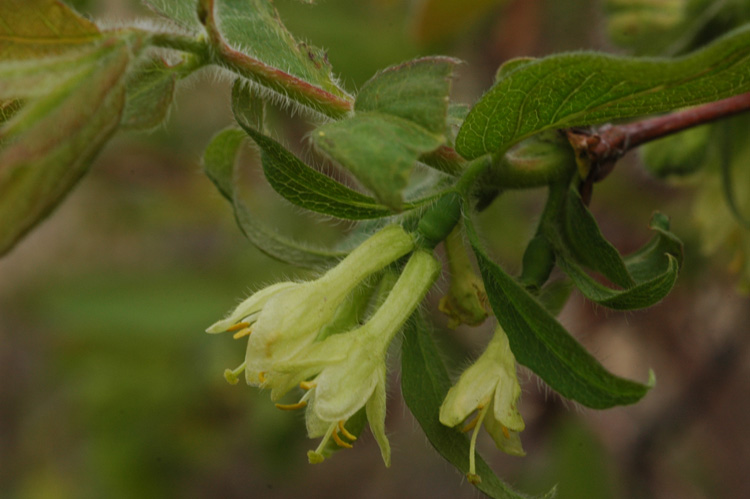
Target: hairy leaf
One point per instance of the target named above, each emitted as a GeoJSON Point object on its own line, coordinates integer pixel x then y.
{"type": "Point", "coordinates": [543, 345]}
{"type": "Point", "coordinates": [150, 90]}
{"type": "Point", "coordinates": [424, 384]}
{"type": "Point", "coordinates": [310, 189]}
{"type": "Point", "coordinates": [417, 91]}
{"type": "Point", "coordinates": [219, 165]}
{"type": "Point", "coordinates": [50, 144]}
{"type": "Point", "coordinates": [379, 149]}
{"type": "Point", "coordinates": [248, 36]}
{"type": "Point", "coordinates": [41, 28]}
{"type": "Point", "coordinates": [585, 88]}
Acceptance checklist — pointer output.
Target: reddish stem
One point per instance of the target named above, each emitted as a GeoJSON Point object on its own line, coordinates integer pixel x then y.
{"type": "Point", "coordinates": [602, 147]}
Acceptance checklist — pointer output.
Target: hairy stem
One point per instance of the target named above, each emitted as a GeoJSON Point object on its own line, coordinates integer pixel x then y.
{"type": "Point", "coordinates": [181, 43]}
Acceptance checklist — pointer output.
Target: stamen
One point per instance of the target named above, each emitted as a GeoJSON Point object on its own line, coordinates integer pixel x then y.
{"type": "Point", "coordinates": [345, 432]}
{"type": "Point", "coordinates": [242, 333]}
{"type": "Point", "coordinates": [237, 327]}
{"type": "Point", "coordinates": [232, 376]}
{"type": "Point", "coordinates": [307, 385]}
{"type": "Point", "coordinates": [472, 474]}
{"type": "Point", "coordinates": [338, 440]}
{"type": "Point", "coordinates": [291, 407]}
{"type": "Point", "coordinates": [506, 433]}
{"type": "Point", "coordinates": [262, 377]}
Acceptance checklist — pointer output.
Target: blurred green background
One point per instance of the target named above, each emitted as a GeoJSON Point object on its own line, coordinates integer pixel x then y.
{"type": "Point", "coordinates": [110, 388]}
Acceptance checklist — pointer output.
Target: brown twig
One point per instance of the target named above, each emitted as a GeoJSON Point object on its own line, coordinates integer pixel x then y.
{"type": "Point", "coordinates": [599, 149]}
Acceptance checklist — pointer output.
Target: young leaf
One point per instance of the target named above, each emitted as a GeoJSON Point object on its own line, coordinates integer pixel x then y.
{"type": "Point", "coordinates": [150, 89]}
{"type": "Point", "coordinates": [543, 345]}
{"type": "Point", "coordinates": [41, 28]}
{"type": "Point", "coordinates": [424, 384]}
{"type": "Point", "coordinates": [417, 91]}
{"type": "Point", "coordinates": [182, 12]}
{"type": "Point", "coordinates": [379, 149]}
{"type": "Point", "coordinates": [219, 165]}
{"type": "Point", "coordinates": [585, 88]}
{"type": "Point", "coordinates": [51, 143]}
{"type": "Point", "coordinates": [248, 37]}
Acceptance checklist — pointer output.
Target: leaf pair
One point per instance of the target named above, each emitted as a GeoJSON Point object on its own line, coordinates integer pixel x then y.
{"type": "Point", "coordinates": [646, 276]}
{"type": "Point", "coordinates": [399, 115]}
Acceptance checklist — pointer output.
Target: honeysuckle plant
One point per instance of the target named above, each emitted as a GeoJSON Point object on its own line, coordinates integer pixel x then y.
{"type": "Point", "coordinates": [560, 123]}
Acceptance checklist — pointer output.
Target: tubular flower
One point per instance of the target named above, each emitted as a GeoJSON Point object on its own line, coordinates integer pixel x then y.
{"type": "Point", "coordinates": [284, 319]}
{"type": "Point", "coordinates": [490, 387]}
{"type": "Point", "coordinates": [347, 371]}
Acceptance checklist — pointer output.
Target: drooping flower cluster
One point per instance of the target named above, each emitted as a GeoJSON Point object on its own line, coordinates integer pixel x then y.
{"type": "Point", "coordinates": [489, 387]}
{"type": "Point", "coordinates": [345, 371]}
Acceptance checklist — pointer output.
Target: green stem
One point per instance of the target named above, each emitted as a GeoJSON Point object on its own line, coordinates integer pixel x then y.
{"type": "Point", "coordinates": [473, 171]}
{"type": "Point", "coordinates": [179, 42]}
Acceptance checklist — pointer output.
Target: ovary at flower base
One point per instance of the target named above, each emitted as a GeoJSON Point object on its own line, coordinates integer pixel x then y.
{"type": "Point", "coordinates": [283, 319]}
{"type": "Point", "coordinates": [489, 387]}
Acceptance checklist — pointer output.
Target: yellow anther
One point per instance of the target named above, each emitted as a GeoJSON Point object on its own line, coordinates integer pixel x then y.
{"type": "Point", "coordinates": [241, 333]}
{"type": "Point", "coordinates": [506, 433]}
{"type": "Point", "coordinates": [306, 385]}
{"type": "Point", "coordinates": [237, 327]}
{"type": "Point", "coordinates": [471, 424]}
{"type": "Point", "coordinates": [291, 407]}
{"type": "Point", "coordinates": [262, 376]}
{"type": "Point", "coordinates": [338, 440]}
{"type": "Point", "coordinates": [345, 432]}
{"type": "Point", "coordinates": [233, 375]}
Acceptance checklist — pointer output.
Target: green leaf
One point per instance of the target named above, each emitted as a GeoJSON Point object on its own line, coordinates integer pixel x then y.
{"type": "Point", "coordinates": [543, 345]}
{"type": "Point", "coordinates": [41, 28]}
{"type": "Point", "coordinates": [310, 189]}
{"type": "Point", "coordinates": [586, 88]}
{"type": "Point", "coordinates": [182, 12]}
{"type": "Point", "coordinates": [219, 165]}
{"type": "Point", "coordinates": [647, 275]}
{"type": "Point", "coordinates": [588, 245]}
{"type": "Point", "coordinates": [417, 91]}
{"type": "Point", "coordinates": [424, 384]}
{"type": "Point", "coordinates": [150, 90]}
{"type": "Point", "coordinates": [379, 149]}
{"type": "Point", "coordinates": [51, 142]}
{"type": "Point", "coordinates": [248, 37]}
